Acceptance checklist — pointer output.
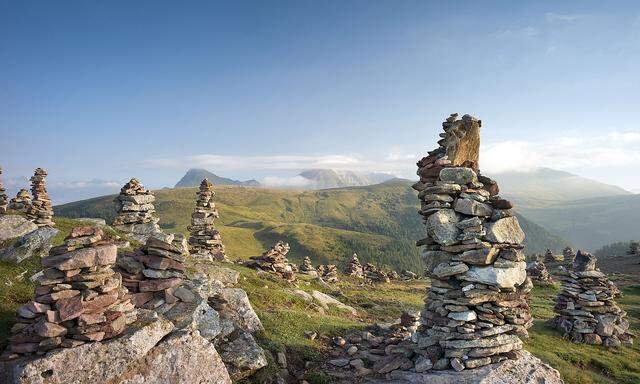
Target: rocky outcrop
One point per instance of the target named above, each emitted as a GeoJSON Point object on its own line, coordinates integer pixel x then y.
{"type": "Point", "coordinates": [79, 297]}
{"type": "Point", "coordinates": [476, 310]}
{"type": "Point", "coordinates": [136, 213]}
{"type": "Point", "coordinates": [4, 199]}
{"type": "Point", "coordinates": [40, 211]}
{"type": "Point", "coordinates": [35, 243]}
{"type": "Point", "coordinates": [354, 268]}
{"type": "Point", "coordinates": [204, 239]}
{"type": "Point", "coordinates": [274, 260]}
{"type": "Point", "coordinates": [21, 202]}
{"type": "Point", "coordinates": [12, 226]}
{"type": "Point", "coordinates": [586, 307]}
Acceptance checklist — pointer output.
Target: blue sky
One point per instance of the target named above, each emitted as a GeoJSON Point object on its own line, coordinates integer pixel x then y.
{"type": "Point", "coordinates": [97, 92]}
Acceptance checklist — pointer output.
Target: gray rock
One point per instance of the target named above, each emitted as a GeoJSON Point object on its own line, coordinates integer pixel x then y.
{"type": "Point", "coordinates": [528, 369]}
{"type": "Point", "coordinates": [433, 258]}
{"type": "Point", "coordinates": [325, 301]}
{"type": "Point", "coordinates": [196, 315]}
{"type": "Point", "coordinates": [423, 364]}
{"type": "Point", "coordinates": [12, 226]}
{"type": "Point", "coordinates": [242, 355]}
{"type": "Point", "coordinates": [472, 208]}
{"type": "Point", "coordinates": [458, 175]}
{"type": "Point", "coordinates": [505, 230]}
{"type": "Point", "coordinates": [35, 243]}
{"type": "Point", "coordinates": [481, 256]}
{"type": "Point", "coordinates": [239, 310]}
{"type": "Point", "coordinates": [441, 227]}
{"type": "Point", "coordinates": [499, 277]}
{"type": "Point", "coordinates": [463, 316]}
{"type": "Point", "coordinates": [449, 269]}
{"type": "Point", "coordinates": [92, 221]}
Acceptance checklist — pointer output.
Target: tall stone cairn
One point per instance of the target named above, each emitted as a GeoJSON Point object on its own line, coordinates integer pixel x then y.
{"type": "Point", "coordinates": [4, 199]}
{"type": "Point", "coordinates": [476, 308]}
{"type": "Point", "coordinates": [354, 268]}
{"type": "Point", "coordinates": [275, 260]}
{"type": "Point", "coordinates": [587, 311]}
{"type": "Point", "coordinates": [40, 211]}
{"type": "Point", "coordinates": [569, 257]}
{"type": "Point", "coordinates": [136, 212]}
{"type": "Point", "coordinates": [79, 297]}
{"type": "Point", "coordinates": [204, 239]}
{"type": "Point", "coordinates": [21, 202]}
{"type": "Point", "coordinates": [153, 274]}
{"type": "Point", "coordinates": [307, 267]}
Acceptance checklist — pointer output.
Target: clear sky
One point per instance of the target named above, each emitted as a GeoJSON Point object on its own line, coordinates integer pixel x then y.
{"type": "Point", "coordinates": [100, 91]}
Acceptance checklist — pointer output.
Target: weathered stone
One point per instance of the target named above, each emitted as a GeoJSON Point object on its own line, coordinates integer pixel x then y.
{"type": "Point", "coordinates": [505, 230]}
{"type": "Point", "coordinates": [472, 207]}
{"type": "Point", "coordinates": [482, 256]}
{"type": "Point", "coordinates": [34, 243]}
{"type": "Point", "coordinates": [500, 277]}
{"type": "Point", "coordinates": [12, 226]}
{"type": "Point", "coordinates": [458, 175]}
{"type": "Point", "coordinates": [243, 356]}
{"type": "Point", "coordinates": [83, 258]}
{"type": "Point", "coordinates": [441, 227]}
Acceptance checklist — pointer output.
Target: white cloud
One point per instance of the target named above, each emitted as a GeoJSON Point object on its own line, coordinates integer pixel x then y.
{"type": "Point", "coordinates": [515, 33]}
{"type": "Point", "coordinates": [553, 17]}
{"type": "Point", "coordinates": [294, 182]}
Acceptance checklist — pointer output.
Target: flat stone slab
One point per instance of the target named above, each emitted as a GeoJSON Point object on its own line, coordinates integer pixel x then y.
{"type": "Point", "coordinates": [12, 226]}
{"type": "Point", "coordinates": [526, 370]}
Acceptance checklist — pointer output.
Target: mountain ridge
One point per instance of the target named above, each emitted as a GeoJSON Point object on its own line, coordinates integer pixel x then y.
{"type": "Point", "coordinates": [194, 177]}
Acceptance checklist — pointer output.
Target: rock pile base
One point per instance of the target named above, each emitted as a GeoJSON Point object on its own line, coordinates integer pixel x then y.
{"type": "Point", "coordinates": [154, 274]}
{"type": "Point", "coordinates": [21, 202]}
{"type": "Point", "coordinates": [40, 211]}
{"type": "Point", "coordinates": [204, 239]}
{"type": "Point", "coordinates": [354, 268]}
{"type": "Point", "coordinates": [537, 272]}
{"type": "Point", "coordinates": [79, 297]}
{"type": "Point", "coordinates": [275, 260]}
{"type": "Point", "coordinates": [136, 213]}
{"type": "Point", "coordinates": [587, 311]}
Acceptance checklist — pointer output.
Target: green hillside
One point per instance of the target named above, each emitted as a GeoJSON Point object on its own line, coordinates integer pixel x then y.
{"type": "Point", "coordinates": [379, 222]}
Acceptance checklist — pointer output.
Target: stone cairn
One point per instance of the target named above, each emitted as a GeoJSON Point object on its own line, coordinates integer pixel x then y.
{"type": "Point", "coordinates": [553, 262]}
{"type": "Point", "coordinates": [373, 274]}
{"type": "Point", "coordinates": [354, 268]}
{"type": "Point", "coordinates": [136, 213]}
{"type": "Point", "coordinates": [569, 257]}
{"type": "Point", "coordinates": [330, 273]}
{"type": "Point", "coordinates": [4, 200]}
{"type": "Point", "coordinates": [275, 260]}
{"type": "Point", "coordinates": [21, 202]}
{"type": "Point", "coordinates": [79, 297]}
{"type": "Point", "coordinates": [153, 275]}
{"type": "Point", "coordinates": [634, 249]}
{"type": "Point", "coordinates": [40, 211]}
{"type": "Point", "coordinates": [537, 271]}
{"type": "Point", "coordinates": [587, 311]}
{"type": "Point", "coordinates": [204, 239]}
{"type": "Point", "coordinates": [476, 308]}
{"type": "Point", "coordinates": [307, 268]}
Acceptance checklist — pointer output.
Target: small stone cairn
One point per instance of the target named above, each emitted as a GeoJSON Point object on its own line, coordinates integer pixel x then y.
{"type": "Point", "coordinates": [79, 297]}
{"type": "Point", "coordinates": [21, 202]}
{"type": "Point", "coordinates": [373, 274]}
{"type": "Point", "coordinates": [330, 274]}
{"type": "Point", "coordinates": [476, 308]}
{"type": "Point", "coordinates": [4, 199]}
{"type": "Point", "coordinates": [204, 239]}
{"type": "Point", "coordinates": [354, 268]}
{"type": "Point", "coordinates": [136, 213]}
{"type": "Point", "coordinates": [587, 311]}
{"type": "Point", "coordinates": [634, 249]}
{"type": "Point", "coordinates": [307, 268]}
{"type": "Point", "coordinates": [153, 275]}
{"type": "Point", "coordinates": [569, 257]}
{"type": "Point", "coordinates": [537, 271]}
{"type": "Point", "coordinates": [275, 260]}
{"type": "Point", "coordinates": [40, 211]}
{"type": "Point", "coordinates": [553, 262]}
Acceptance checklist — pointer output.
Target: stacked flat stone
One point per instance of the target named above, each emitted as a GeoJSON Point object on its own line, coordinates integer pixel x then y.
{"type": "Point", "coordinates": [79, 297]}
{"type": "Point", "coordinates": [476, 308]}
{"type": "Point", "coordinates": [136, 213]}
{"type": "Point", "coordinates": [21, 202]}
{"type": "Point", "coordinates": [330, 274]}
{"type": "Point", "coordinates": [307, 267]}
{"type": "Point", "coordinates": [537, 272]}
{"type": "Point", "coordinates": [204, 239]}
{"type": "Point", "coordinates": [275, 260]}
{"type": "Point", "coordinates": [4, 199]}
{"type": "Point", "coordinates": [587, 311]}
{"type": "Point", "coordinates": [354, 268]}
{"type": "Point", "coordinates": [569, 257]}
{"type": "Point", "coordinates": [374, 274]}
{"type": "Point", "coordinates": [40, 211]}
{"type": "Point", "coordinates": [153, 274]}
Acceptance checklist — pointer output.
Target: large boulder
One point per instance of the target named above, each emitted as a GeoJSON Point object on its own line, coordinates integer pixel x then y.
{"type": "Point", "coordinates": [242, 355]}
{"type": "Point", "coordinates": [506, 230]}
{"type": "Point", "coordinates": [441, 227]}
{"type": "Point", "coordinates": [499, 277]}
{"type": "Point", "coordinates": [35, 243]}
{"type": "Point", "coordinates": [528, 369]}
{"type": "Point", "coordinates": [325, 301]}
{"type": "Point", "coordinates": [239, 311]}
{"type": "Point", "coordinates": [12, 226]}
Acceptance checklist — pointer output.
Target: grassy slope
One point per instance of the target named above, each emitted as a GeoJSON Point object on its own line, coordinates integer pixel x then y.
{"type": "Point", "coordinates": [378, 222]}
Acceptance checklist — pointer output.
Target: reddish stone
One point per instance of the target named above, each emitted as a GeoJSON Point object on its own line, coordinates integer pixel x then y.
{"type": "Point", "coordinates": [94, 336]}
{"type": "Point", "coordinates": [139, 299]}
{"type": "Point", "coordinates": [159, 284]}
{"type": "Point", "coordinates": [83, 258]}
{"type": "Point", "coordinates": [100, 301]}
{"type": "Point", "coordinates": [53, 317]}
{"type": "Point", "coordinates": [157, 262]}
{"type": "Point", "coordinates": [91, 318]}
{"type": "Point", "coordinates": [502, 204]}
{"type": "Point", "coordinates": [24, 347]}
{"type": "Point", "coordinates": [46, 329]}
{"type": "Point", "coordinates": [69, 308]}
{"type": "Point", "coordinates": [85, 231]}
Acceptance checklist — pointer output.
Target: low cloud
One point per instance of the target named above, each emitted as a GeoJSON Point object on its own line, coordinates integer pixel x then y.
{"type": "Point", "coordinates": [553, 17]}
{"type": "Point", "coordinates": [290, 182]}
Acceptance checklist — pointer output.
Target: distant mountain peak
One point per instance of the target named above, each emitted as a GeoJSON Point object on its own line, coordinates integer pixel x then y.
{"type": "Point", "coordinates": [333, 178]}
{"type": "Point", "coordinates": [194, 177]}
